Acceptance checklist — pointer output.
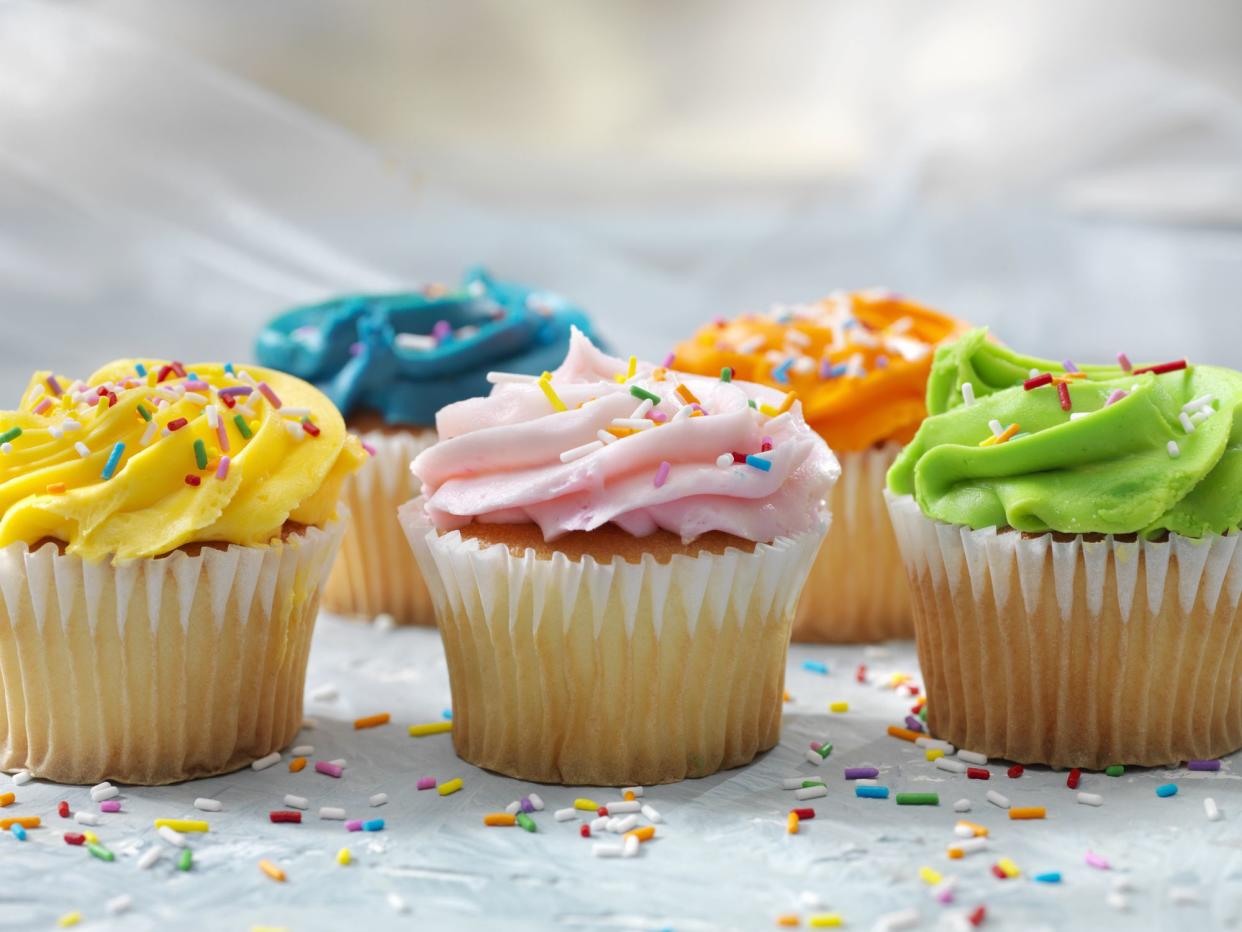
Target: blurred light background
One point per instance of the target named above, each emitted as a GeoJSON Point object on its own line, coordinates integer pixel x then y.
{"type": "Point", "coordinates": [1069, 172]}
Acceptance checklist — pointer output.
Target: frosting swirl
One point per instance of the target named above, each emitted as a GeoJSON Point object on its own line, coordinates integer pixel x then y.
{"type": "Point", "coordinates": [407, 355]}
{"type": "Point", "coordinates": [645, 448]}
{"type": "Point", "coordinates": [858, 361]}
{"type": "Point", "coordinates": [1097, 449]}
{"type": "Point", "coordinates": [146, 456]}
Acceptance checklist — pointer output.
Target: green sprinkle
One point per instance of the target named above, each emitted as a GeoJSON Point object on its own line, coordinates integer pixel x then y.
{"type": "Point", "coordinates": [526, 821]}
{"type": "Point", "coordinates": [242, 427]}
{"type": "Point", "coordinates": [11, 434]}
{"type": "Point", "coordinates": [816, 782]}
{"type": "Point", "coordinates": [824, 750]}
{"type": "Point", "coordinates": [923, 714]}
{"type": "Point", "coordinates": [752, 403]}
{"type": "Point", "coordinates": [146, 415]}
{"type": "Point", "coordinates": [100, 852]}
{"type": "Point", "coordinates": [200, 453]}
{"type": "Point", "coordinates": [644, 394]}
{"type": "Point", "coordinates": [1115, 770]}
{"type": "Point", "coordinates": [184, 859]}
{"type": "Point", "coordinates": [918, 799]}
{"type": "Point", "coordinates": [726, 374]}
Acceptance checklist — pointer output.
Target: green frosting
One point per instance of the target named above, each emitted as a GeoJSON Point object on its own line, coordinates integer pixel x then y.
{"type": "Point", "coordinates": [1110, 472]}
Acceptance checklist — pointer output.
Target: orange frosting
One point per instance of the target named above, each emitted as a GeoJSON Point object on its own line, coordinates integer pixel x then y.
{"type": "Point", "coordinates": [859, 362]}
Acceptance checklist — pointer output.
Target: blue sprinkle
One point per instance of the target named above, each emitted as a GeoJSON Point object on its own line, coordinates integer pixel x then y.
{"type": "Point", "coordinates": [141, 370]}
{"type": "Point", "coordinates": [1167, 789]}
{"type": "Point", "coordinates": [881, 362]}
{"type": "Point", "coordinates": [373, 825]}
{"type": "Point", "coordinates": [815, 666]}
{"type": "Point", "coordinates": [113, 458]}
{"type": "Point", "coordinates": [781, 372]}
{"type": "Point", "coordinates": [18, 832]}
{"type": "Point", "coordinates": [871, 792]}
{"type": "Point", "coordinates": [1050, 877]}
{"type": "Point", "coordinates": [447, 713]}
{"type": "Point", "coordinates": [193, 377]}
{"type": "Point", "coordinates": [228, 367]}
{"type": "Point", "coordinates": [759, 462]}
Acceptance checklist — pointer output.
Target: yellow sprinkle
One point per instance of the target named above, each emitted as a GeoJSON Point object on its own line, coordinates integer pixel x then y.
{"type": "Point", "coordinates": [768, 410]}
{"type": "Point", "coordinates": [272, 870]}
{"type": "Point", "coordinates": [69, 919]}
{"type": "Point", "coordinates": [553, 397]}
{"type": "Point", "coordinates": [1000, 438]}
{"type": "Point", "coordinates": [787, 402]}
{"type": "Point", "coordinates": [91, 837]}
{"type": "Point", "coordinates": [838, 707]}
{"type": "Point", "coordinates": [431, 728]}
{"type": "Point", "coordinates": [102, 405]}
{"type": "Point", "coordinates": [587, 805]}
{"type": "Point", "coordinates": [824, 920]}
{"type": "Point", "coordinates": [929, 876]}
{"type": "Point", "coordinates": [791, 824]}
{"type": "Point", "coordinates": [343, 857]}
{"type": "Point", "coordinates": [184, 825]}
{"type": "Point", "coordinates": [449, 788]}
{"type": "Point", "coordinates": [1009, 868]}
{"type": "Point", "coordinates": [933, 753]}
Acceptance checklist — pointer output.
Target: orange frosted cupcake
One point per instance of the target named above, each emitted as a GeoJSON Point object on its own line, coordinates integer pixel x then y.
{"type": "Point", "coordinates": [859, 363]}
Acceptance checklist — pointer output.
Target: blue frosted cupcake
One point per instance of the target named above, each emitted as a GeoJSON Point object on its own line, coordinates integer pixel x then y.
{"type": "Point", "coordinates": [389, 362]}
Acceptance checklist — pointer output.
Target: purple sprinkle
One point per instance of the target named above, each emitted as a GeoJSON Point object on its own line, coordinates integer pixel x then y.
{"type": "Point", "coordinates": [861, 773]}
{"type": "Point", "coordinates": [1115, 396]}
{"type": "Point", "coordinates": [427, 783]}
{"type": "Point", "coordinates": [1203, 765]}
{"type": "Point", "coordinates": [355, 349]}
{"type": "Point", "coordinates": [328, 768]}
{"type": "Point", "coordinates": [442, 331]}
{"type": "Point", "coordinates": [661, 475]}
{"type": "Point", "coordinates": [1069, 366]}
{"type": "Point", "coordinates": [881, 362]}
{"type": "Point", "coordinates": [668, 361]}
{"type": "Point", "coordinates": [353, 825]}
{"type": "Point", "coordinates": [110, 805]}
{"type": "Point", "coordinates": [659, 417]}
{"type": "Point", "coordinates": [913, 723]}
{"type": "Point", "coordinates": [825, 368]}
{"type": "Point", "coordinates": [1124, 361]}
{"type": "Point", "coordinates": [235, 390]}
{"type": "Point", "coordinates": [527, 805]}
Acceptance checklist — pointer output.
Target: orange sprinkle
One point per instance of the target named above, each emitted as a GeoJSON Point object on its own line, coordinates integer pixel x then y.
{"type": "Point", "coordinates": [297, 764]}
{"type": "Point", "coordinates": [629, 796]}
{"type": "Point", "coordinates": [791, 824]}
{"type": "Point", "coordinates": [687, 396]}
{"type": "Point", "coordinates": [55, 488]}
{"type": "Point", "coordinates": [788, 698]}
{"type": "Point", "coordinates": [1001, 437]}
{"type": "Point", "coordinates": [1027, 812]}
{"type": "Point", "coordinates": [658, 373]}
{"type": "Point", "coordinates": [272, 870]}
{"type": "Point", "coordinates": [620, 432]}
{"type": "Point", "coordinates": [26, 821]}
{"type": "Point", "coordinates": [499, 818]}
{"type": "Point", "coordinates": [980, 831]}
{"type": "Point", "coordinates": [7, 799]}
{"type": "Point", "coordinates": [956, 854]}
{"type": "Point", "coordinates": [788, 921]}
{"type": "Point", "coordinates": [646, 833]}
{"type": "Point", "coordinates": [787, 402]}
{"type": "Point", "coordinates": [905, 734]}
{"type": "Point", "coordinates": [372, 721]}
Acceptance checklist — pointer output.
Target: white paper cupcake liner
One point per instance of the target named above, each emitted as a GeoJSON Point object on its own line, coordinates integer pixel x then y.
{"type": "Point", "coordinates": [581, 672]}
{"type": "Point", "coordinates": [857, 589]}
{"type": "Point", "coordinates": [375, 573]}
{"type": "Point", "coordinates": [1086, 651]}
{"type": "Point", "coordinates": [157, 670]}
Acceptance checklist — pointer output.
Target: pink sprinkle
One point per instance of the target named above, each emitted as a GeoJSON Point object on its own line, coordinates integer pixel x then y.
{"type": "Point", "coordinates": [698, 407]}
{"type": "Point", "coordinates": [110, 805]}
{"type": "Point", "coordinates": [54, 386]}
{"type": "Point", "coordinates": [1124, 361]}
{"type": "Point", "coordinates": [945, 895]}
{"type": "Point", "coordinates": [442, 331]}
{"type": "Point", "coordinates": [222, 436]}
{"type": "Point", "coordinates": [661, 475]}
{"type": "Point", "coordinates": [658, 416]}
{"type": "Point", "coordinates": [355, 349]}
{"type": "Point", "coordinates": [235, 390]}
{"type": "Point", "coordinates": [1116, 395]}
{"type": "Point", "coordinates": [1096, 861]}
{"type": "Point", "coordinates": [328, 768]}
{"type": "Point", "coordinates": [222, 470]}
{"type": "Point", "coordinates": [815, 745]}
{"type": "Point", "coordinates": [370, 449]}
{"type": "Point", "coordinates": [43, 405]}
{"type": "Point", "coordinates": [269, 394]}
{"type": "Point", "coordinates": [668, 360]}
{"type": "Point", "coordinates": [427, 783]}
{"type": "Point", "coordinates": [353, 825]}
{"type": "Point", "coordinates": [196, 385]}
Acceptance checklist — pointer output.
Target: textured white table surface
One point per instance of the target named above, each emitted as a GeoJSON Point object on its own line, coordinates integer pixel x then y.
{"type": "Point", "coordinates": [721, 859]}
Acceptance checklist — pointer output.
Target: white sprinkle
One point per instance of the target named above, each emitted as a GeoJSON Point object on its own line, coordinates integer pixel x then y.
{"type": "Point", "coordinates": [325, 693]}
{"type": "Point", "coordinates": [1211, 810]}
{"type": "Point", "coordinates": [607, 850]}
{"type": "Point", "coordinates": [287, 411]}
{"type": "Point", "coordinates": [295, 429]}
{"type": "Point", "coordinates": [196, 398]}
{"type": "Point", "coordinates": [968, 394]}
{"type": "Point", "coordinates": [1187, 424]}
{"type": "Point", "coordinates": [536, 801]}
{"type": "Point", "coordinates": [814, 758]}
{"type": "Point", "coordinates": [970, 845]}
{"type": "Point", "coordinates": [83, 450]}
{"type": "Point", "coordinates": [213, 416]}
{"type": "Point", "coordinates": [641, 423]}
{"type": "Point", "coordinates": [6, 448]}
{"type": "Point", "coordinates": [606, 438]}
{"type": "Point", "coordinates": [99, 787]}
{"type": "Point", "coordinates": [264, 762]}
{"type": "Point", "coordinates": [797, 337]}
{"type": "Point", "coordinates": [962, 805]}
{"type": "Point", "coordinates": [1090, 799]}
{"type": "Point", "coordinates": [55, 430]}
{"type": "Point", "coordinates": [949, 764]}
{"type": "Point", "coordinates": [149, 433]}
{"type": "Point", "coordinates": [296, 802]}
{"type": "Point", "coordinates": [1174, 450]}
{"type": "Point", "coordinates": [1183, 896]}
{"type": "Point", "coordinates": [630, 849]}
{"type": "Point", "coordinates": [997, 799]}
{"type": "Point", "coordinates": [1033, 373]}
{"type": "Point", "coordinates": [724, 460]}
{"type": "Point", "coordinates": [972, 757]}
{"type": "Point", "coordinates": [793, 783]}
{"type": "Point", "coordinates": [865, 781]}
{"type": "Point", "coordinates": [935, 743]}
{"type": "Point", "coordinates": [750, 346]}
{"type": "Point", "coordinates": [1202, 415]}
{"type": "Point", "coordinates": [962, 830]}
{"type": "Point", "coordinates": [683, 412]}
{"type": "Point", "coordinates": [120, 904]}
{"type": "Point", "coordinates": [1117, 901]}
{"type": "Point", "coordinates": [513, 808]}
{"type": "Point", "coordinates": [811, 792]}
{"type": "Point", "coordinates": [611, 826]}
{"type": "Point", "coordinates": [70, 424]}
{"type": "Point", "coordinates": [247, 378]}
{"type": "Point", "coordinates": [245, 411]}
{"type": "Point", "coordinates": [892, 922]}
{"type": "Point", "coordinates": [379, 799]}
{"type": "Point", "coordinates": [167, 393]}
{"type": "Point", "coordinates": [1200, 402]}
{"type": "Point", "coordinates": [82, 817]}
{"type": "Point", "coordinates": [642, 410]}
{"type": "Point", "coordinates": [397, 904]}
{"type": "Point", "coordinates": [622, 806]}
{"type": "Point", "coordinates": [600, 823]}
{"type": "Point", "coordinates": [331, 812]}
{"type": "Point", "coordinates": [1078, 415]}
{"type": "Point", "coordinates": [628, 824]}
{"type": "Point", "coordinates": [995, 426]}
{"type": "Point", "coordinates": [150, 856]}
{"type": "Point", "coordinates": [172, 836]}
{"type": "Point", "coordinates": [208, 805]}
{"type": "Point", "coordinates": [385, 622]}
{"type": "Point", "coordinates": [303, 750]}
{"type": "Point", "coordinates": [340, 762]}
{"type": "Point", "coordinates": [102, 792]}
{"type": "Point", "coordinates": [578, 453]}
{"type": "Point", "coordinates": [565, 815]}
{"type": "Point", "coordinates": [501, 378]}
{"type": "Point", "coordinates": [650, 812]}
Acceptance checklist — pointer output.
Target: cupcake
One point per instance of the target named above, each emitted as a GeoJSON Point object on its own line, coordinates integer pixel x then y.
{"type": "Point", "coordinates": [614, 552]}
{"type": "Point", "coordinates": [389, 362]}
{"type": "Point", "coordinates": [164, 534]}
{"type": "Point", "coordinates": [1070, 537]}
{"type": "Point", "coordinates": [859, 364]}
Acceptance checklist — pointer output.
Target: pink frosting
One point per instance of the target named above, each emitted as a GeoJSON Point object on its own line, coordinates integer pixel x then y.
{"type": "Point", "coordinates": [499, 458]}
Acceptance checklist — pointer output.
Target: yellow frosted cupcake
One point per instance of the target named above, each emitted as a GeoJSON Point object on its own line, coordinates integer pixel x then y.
{"type": "Point", "coordinates": [164, 534]}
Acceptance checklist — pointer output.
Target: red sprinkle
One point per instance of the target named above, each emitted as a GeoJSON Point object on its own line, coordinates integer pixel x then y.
{"type": "Point", "coordinates": [1016, 771]}
{"type": "Point", "coordinates": [804, 813]}
{"type": "Point", "coordinates": [179, 369]}
{"type": "Point", "coordinates": [1063, 394]}
{"type": "Point", "coordinates": [193, 480]}
{"type": "Point", "coordinates": [63, 809]}
{"type": "Point", "coordinates": [1044, 378]}
{"type": "Point", "coordinates": [176, 423]}
{"type": "Point", "coordinates": [1162, 368]}
{"type": "Point", "coordinates": [229, 400]}
{"type": "Point", "coordinates": [739, 457]}
{"type": "Point", "coordinates": [165, 372]}
{"type": "Point", "coordinates": [309, 427]}
{"type": "Point", "coordinates": [602, 811]}
{"type": "Point", "coordinates": [860, 675]}
{"type": "Point", "coordinates": [1072, 780]}
{"type": "Point", "coordinates": [285, 815]}
{"type": "Point", "coordinates": [978, 773]}
{"type": "Point", "coordinates": [998, 873]}
{"type": "Point", "coordinates": [73, 838]}
{"type": "Point", "coordinates": [585, 831]}
{"type": "Point", "coordinates": [977, 915]}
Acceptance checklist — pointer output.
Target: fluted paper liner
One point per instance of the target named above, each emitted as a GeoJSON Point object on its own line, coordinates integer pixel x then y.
{"type": "Point", "coordinates": [857, 589]}
{"type": "Point", "coordinates": [375, 573]}
{"type": "Point", "coordinates": [1079, 652]}
{"type": "Point", "coordinates": [586, 673]}
{"type": "Point", "coordinates": [157, 670]}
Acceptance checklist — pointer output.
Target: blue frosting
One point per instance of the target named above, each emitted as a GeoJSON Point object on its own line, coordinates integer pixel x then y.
{"type": "Point", "coordinates": [391, 354]}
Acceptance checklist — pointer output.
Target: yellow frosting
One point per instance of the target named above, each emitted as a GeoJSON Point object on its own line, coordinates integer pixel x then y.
{"type": "Point", "coordinates": [148, 506]}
